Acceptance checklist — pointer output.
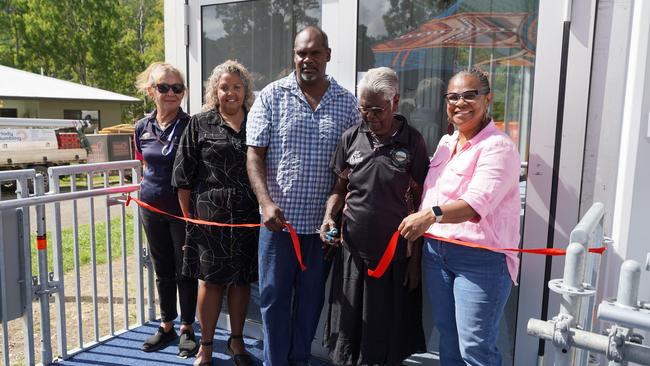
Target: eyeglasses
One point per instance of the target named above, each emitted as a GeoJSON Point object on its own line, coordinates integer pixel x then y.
{"type": "Point", "coordinates": [376, 111]}
{"type": "Point", "coordinates": [176, 88]}
{"type": "Point", "coordinates": [469, 96]}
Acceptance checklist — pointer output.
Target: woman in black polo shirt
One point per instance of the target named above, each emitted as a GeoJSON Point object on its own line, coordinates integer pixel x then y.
{"type": "Point", "coordinates": [156, 140]}
{"type": "Point", "coordinates": [380, 167]}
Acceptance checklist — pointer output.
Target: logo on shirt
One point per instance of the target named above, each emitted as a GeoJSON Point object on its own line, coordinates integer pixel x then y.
{"type": "Point", "coordinates": [400, 157]}
{"type": "Point", "coordinates": [145, 136]}
{"type": "Point", "coordinates": [355, 158]}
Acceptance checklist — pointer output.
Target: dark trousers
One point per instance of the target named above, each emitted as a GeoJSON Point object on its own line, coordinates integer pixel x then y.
{"type": "Point", "coordinates": [166, 237]}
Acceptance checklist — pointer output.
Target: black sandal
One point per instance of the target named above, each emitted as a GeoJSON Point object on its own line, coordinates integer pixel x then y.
{"type": "Point", "coordinates": [187, 344]}
{"type": "Point", "coordinates": [242, 359]}
{"type": "Point", "coordinates": [159, 340]}
{"type": "Point", "coordinates": [207, 363]}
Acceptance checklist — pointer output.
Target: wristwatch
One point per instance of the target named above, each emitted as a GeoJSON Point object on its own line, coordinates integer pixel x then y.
{"type": "Point", "coordinates": [437, 212]}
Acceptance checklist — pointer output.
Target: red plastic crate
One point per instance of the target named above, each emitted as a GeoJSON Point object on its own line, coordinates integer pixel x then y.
{"type": "Point", "coordinates": [68, 140]}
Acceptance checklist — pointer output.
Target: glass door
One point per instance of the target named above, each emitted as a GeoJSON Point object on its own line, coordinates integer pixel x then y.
{"type": "Point", "coordinates": [426, 42]}
{"type": "Point", "coordinates": [259, 34]}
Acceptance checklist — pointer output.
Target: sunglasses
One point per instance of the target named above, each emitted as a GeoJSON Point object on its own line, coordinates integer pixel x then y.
{"type": "Point", "coordinates": [468, 96]}
{"type": "Point", "coordinates": [176, 88]}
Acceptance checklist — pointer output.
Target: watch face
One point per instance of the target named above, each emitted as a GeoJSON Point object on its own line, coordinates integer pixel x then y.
{"type": "Point", "coordinates": [437, 211]}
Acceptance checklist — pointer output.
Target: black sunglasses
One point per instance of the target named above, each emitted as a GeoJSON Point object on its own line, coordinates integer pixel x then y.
{"type": "Point", "coordinates": [176, 88]}
{"type": "Point", "coordinates": [469, 96]}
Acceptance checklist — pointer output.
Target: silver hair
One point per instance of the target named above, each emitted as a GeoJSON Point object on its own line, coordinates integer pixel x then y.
{"type": "Point", "coordinates": [380, 80]}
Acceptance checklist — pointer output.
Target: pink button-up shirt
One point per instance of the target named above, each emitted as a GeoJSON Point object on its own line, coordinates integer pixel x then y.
{"type": "Point", "coordinates": [485, 174]}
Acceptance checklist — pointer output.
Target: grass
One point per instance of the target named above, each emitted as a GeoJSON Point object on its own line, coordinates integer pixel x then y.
{"type": "Point", "coordinates": [67, 242]}
{"type": "Point", "coordinates": [82, 182]}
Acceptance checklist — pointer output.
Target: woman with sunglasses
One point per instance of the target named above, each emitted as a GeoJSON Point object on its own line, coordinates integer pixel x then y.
{"type": "Point", "coordinates": [210, 173]}
{"type": "Point", "coordinates": [156, 140]}
{"type": "Point", "coordinates": [380, 167]}
{"type": "Point", "coordinates": [471, 194]}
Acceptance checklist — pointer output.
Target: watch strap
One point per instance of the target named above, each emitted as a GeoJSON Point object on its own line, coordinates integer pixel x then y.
{"type": "Point", "coordinates": [437, 212]}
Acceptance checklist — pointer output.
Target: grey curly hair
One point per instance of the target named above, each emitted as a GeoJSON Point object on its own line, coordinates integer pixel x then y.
{"type": "Point", "coordinates": [231, 67]}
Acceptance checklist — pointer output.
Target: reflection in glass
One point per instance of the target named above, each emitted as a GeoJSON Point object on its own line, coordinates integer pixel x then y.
{"type": "Point", "coordinates": [426, 42]}
{"type": "Point", "coordinates": [259, 34]}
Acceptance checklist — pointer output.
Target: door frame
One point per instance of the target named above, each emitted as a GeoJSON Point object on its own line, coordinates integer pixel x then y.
{"type": "Point", "coordinates": [339, 20]}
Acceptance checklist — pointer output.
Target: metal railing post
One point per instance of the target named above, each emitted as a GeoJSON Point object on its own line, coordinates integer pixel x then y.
{"type": "Point", "coordinates": [142, 262]}
{"type": "Point", "coordinates": [3, 301]}
{"type": "Point", "coordinates": [589, 233]}
{"type": "Point", "coordinates": [626, 297]}
{"type": "Point", "coordinates": [109, 257]}
{"type": "Point", "coordinates": [43, 275]}
{"type": "Point", "coordinates": [77, 261]}
{"type": "Point", "coordinates": [125, 276]}
{"type": "Point", "coordinates": [569, 287]}
{"type": "Point", "coordinates": [22, 191]}
{"type": "Point", "coordinates": [58, 275]}
{"type": "Point", "coordinates": [93, 255]}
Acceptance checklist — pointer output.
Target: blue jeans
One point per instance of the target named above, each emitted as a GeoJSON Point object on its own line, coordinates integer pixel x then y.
{"type": "Point", "coordinates": [468, 289]}
{"type": "Point", "coordinates": [290, 300]}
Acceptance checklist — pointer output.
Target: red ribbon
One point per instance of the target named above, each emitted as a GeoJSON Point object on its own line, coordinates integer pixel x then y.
{"type": "Point", "coordinates": [292, 232]}
{"type": "Point", "coordinates": [387, 257]}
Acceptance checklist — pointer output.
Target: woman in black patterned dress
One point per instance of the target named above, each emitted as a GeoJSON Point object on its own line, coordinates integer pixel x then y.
{"type": "Point", "coordinates": [210, 174]}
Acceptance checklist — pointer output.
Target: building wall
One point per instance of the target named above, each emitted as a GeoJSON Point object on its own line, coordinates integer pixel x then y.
{"type": "Point", "coordinates": [603, 139]}
{"type": "Point", "coordinates": [25, 108]}
{"type": "Point", "coordinates": [630, 212]}
{"type": "Point", "coordinates": [617, 143]}
{"type": "Point", "coordinates": [110, 113]}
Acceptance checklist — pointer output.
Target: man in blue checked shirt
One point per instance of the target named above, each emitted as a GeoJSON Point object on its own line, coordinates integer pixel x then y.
{"type": "Point", "coordinates": [293, 129]}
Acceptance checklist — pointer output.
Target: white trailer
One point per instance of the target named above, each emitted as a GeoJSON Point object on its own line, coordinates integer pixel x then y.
{"type": "Point", "coordinates": [40, 143]}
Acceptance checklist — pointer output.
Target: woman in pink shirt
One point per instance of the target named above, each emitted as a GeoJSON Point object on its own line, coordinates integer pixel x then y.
{"type": "Point", "coordinates": [471, 193]}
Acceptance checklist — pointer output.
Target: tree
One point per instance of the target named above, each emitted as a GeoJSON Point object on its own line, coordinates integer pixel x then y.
{"type": "Point", "coordinates": [103, 44]}
{"type": "Point", "coordinates": [12, 30]}
{"type": "Point", "coordinates": [404, 16]}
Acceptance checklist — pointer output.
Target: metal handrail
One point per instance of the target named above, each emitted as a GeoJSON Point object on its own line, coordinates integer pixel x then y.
{"type": "Point", "coordinates": [68, 196]}
{"type": "Point", "coordinates": [578, 289]}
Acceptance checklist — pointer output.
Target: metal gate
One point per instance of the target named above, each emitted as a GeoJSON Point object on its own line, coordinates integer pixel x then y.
{"type": "Point", "coordinates": [20, 286]}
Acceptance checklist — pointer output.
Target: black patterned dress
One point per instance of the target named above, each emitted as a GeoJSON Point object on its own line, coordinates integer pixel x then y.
{"type": "Point", "coordinates": [211, 162]}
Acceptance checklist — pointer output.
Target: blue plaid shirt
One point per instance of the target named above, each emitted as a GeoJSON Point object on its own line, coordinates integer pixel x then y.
{"type": "Point", "coordinates": [300, 144]}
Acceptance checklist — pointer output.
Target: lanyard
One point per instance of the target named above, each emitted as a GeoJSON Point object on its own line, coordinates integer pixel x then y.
{"type": "Point", "coordinates": [168, 147]}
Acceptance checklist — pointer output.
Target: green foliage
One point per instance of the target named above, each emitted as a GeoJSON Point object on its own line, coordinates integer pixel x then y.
{"type": "Point", "coordinates": [67, 242]}
{"type": "Point", "coordinates": [103, 44]}
{"type": "Point", "coordinates": [406, 15]}
{"type": "Point", "coordinates": [257, 33]}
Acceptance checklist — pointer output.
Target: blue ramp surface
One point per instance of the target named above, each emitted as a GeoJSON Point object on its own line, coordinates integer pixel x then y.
{"type": "Point", "coordinates": [125, 350]}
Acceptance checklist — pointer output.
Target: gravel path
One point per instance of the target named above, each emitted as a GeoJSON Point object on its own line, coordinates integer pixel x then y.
{"type": "Point", "coordinates": [16, 340]}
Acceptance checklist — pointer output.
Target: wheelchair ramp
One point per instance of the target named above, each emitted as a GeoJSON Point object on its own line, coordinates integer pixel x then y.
{"type": "Point", "coordinates": [124, 349]}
